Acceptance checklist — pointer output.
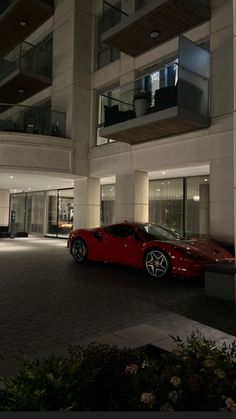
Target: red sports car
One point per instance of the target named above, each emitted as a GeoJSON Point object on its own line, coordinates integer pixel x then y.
{"type": "Point", "coordinates": [159, 251]}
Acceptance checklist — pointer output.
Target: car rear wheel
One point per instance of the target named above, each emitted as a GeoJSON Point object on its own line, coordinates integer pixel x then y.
{"type": "Point", "coordinates": [79, 250]}
{"type": "Point", "coordinates": [157, 263]}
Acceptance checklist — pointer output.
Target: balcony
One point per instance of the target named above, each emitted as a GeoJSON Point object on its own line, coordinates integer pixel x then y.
{"type": "Point", "coordinates": [26, 71]}
{"type": "Point", "coordinates": [20, 18]}
{"type": "Point", "coordinates": [154, 23]}
{"type": "Point", "coordinates": [32, 120]}
{"type": "Point", "coordinates": [171, 100]}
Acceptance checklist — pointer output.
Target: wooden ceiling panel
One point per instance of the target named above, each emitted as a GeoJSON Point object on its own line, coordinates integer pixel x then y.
{"type": "Point", "coordinates": [33, 12]}
{"type": "Point", "coordinates": [170, 19]}
{"type": "Point", "coordinates": [156, 130]}
{"type": "Point", "coordinates": [21, 87]}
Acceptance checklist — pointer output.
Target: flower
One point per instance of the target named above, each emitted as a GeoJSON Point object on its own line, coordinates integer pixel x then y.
{"type": "Point", "coordinates": [131, 369]}
{"type": "Point", "coordinates": [145, 364]}
{"type": "Point", "coordinates": [167, 407]}
{"type": "Point", "coordinates": [173, 396]}
{"type": "Point", "coordinates": [148, 398]}
{"type": "Point", "coordinates": [230, 404]}
{"type": "Point", "coordinates": [219, 373]}
{"type": "Point", "coordinates": [175, 380]}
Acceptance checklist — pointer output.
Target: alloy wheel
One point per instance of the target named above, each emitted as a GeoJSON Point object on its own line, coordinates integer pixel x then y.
{"type": "Point", "coordinates": [156, 263]}
{"type": "Point", "coordinates": [79, 250]}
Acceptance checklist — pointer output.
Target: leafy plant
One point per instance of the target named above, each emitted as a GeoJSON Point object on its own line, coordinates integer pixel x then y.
{"type": "Point", "coordinates": [197, 376]}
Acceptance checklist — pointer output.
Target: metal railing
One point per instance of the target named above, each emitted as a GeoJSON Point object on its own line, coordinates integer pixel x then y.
{"type": "Point", "coordinates": [32, 120]}
{"type": "Point", "coordinates": [27, 57]}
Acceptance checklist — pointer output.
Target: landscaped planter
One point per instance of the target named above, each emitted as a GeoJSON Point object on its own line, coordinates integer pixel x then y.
{"type": "Point", "coordinates": [198, 377]}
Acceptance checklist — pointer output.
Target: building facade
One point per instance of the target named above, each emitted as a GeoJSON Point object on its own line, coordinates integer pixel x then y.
{"type": "Point", "coordinates": [118, 110]}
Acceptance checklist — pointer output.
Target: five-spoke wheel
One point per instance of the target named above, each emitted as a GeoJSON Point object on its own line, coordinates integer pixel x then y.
{"type": "Point", "coordinates": [156, 263]}
{"type": "Point", "coordinates": [79, 250]}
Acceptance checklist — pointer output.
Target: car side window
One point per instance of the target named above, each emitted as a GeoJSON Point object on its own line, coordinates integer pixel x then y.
{"type": "Point", "coordinates": [120, 230]}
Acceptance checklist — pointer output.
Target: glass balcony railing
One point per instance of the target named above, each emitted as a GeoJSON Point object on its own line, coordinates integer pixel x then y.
{"type": "Point", "coordinates": [27, 58]}
{"type": "Point", "coordinates": [113, 13]}
{"type": "Point", "coordinates": [32, 120]}
{"type": "Point", "coordinates": [170, 86]}
{"type": "Point", "coordinates": [4, 4]}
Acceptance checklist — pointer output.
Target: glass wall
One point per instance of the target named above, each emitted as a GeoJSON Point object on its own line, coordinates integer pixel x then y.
{"type": "Point", "coordinates": [44, 212]}
{"type": "Point", "coordinates": [65, 211]}
{"type": "Point", "coordinates": [107, 204]}
{"type": "Point", "coordinates": [18, 204]}
{"type": "Point", "coordinates": [35, 204]}
{"type": "Point", "coordinates": [111, 16]}
{"type": "Point", "coordinates": [59, 212]}
{"type": "Point", "coordinates": [197, 206]}
{"type": "Point", "coordinates": [181, 205]}
{"type": "Point", "coordinates": [166, 203]}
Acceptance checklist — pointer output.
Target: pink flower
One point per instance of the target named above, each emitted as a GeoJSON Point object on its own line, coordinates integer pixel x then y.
{"type": "Point", "coordinates": [131, 369]}
{"type": "Point", "coordinates": [167, 407]}
{"type": "Point", "coordinates": [148, 398]}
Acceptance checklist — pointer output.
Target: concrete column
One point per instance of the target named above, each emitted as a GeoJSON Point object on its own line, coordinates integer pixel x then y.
{"type": "Point", "coordinates": [4, 207]}
{"type": "Point", "coordinates": [204, 221]}
{"type": "Point", "coordinates": [222, 200]}
{"type": "Point", "coordinates": [131, 201]}
{"type": "Point", "coordinates": [86, 203]}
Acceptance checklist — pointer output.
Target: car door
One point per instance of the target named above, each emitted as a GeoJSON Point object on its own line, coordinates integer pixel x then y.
{"type": "Point", "coordinates": [122, 244]}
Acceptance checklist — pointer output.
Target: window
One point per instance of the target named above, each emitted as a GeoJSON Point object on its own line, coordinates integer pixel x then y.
{"type": "Point", "coordinates": [107, 54]}
{"type": "Point", "coordinates": [120, 230]}
{"type": "Point", "coordinates": [181, 205]}
{"type": "Point", "coordinates": [197, 206]}
{"type": "Point", "coordinates": [102, 140]}
{"type": "Point", "coordinates": [107, 204]}
{"type": "Point", "coordinates": [166, 203]}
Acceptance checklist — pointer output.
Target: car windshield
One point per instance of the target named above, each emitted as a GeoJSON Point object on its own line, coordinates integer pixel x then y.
{"type": "Point", "coordinates": [155, 232]}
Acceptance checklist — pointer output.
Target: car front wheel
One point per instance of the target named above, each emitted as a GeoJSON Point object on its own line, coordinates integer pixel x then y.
{"type": "Point", "coordinates": [79, 250]}
{"type": "Point", "coordinates": [157, 263]}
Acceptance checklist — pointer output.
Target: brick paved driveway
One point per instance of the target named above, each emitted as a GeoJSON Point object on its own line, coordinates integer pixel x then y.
{"type": "Point", "coordinates": [47, 301]}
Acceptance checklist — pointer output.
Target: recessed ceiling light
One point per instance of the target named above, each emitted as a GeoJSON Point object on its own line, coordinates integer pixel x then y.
{"type": "Point", "coordinates": [23, 23]}
{"type": "Point", "coordinates": [163, 173]}
{"type": "Point", "coordinates": [11, 177]}
{"type": "Point", "coordinates": [155, 34]}
{"type": "Point", "coordinates": [206, 180]}
{"type": "Point", "coordinates": [21, 90]}
{"type": "Point", "coordinates": [29, 188]}
{"type": "Point", "coordinates": [49, 186]}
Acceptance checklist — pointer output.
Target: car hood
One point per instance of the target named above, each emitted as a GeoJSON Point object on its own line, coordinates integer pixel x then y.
{"type": "Point", "coordinates": [203, 249]}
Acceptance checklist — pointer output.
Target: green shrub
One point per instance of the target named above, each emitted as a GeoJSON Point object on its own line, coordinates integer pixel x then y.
{"type": "Point", "coordinates": [198, 376]}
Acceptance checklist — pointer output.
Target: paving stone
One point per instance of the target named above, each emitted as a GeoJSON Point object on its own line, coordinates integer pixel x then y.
{"type": "Point", "coordinates": [47, 302]}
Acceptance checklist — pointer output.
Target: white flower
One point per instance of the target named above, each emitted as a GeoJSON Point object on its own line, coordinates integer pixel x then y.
{"type": "Point", "coordinates": [175, 381]}
{"type": "Point", "coordinates": [148, 398]}
{"type": "Point", "coordinates": [230, 403]}
{"type": "Point", "coordinates": [145, 364]}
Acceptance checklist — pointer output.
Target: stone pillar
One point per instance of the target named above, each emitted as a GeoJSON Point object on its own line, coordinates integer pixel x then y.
{"type": "Point", "coordinates": [4, 207]}
{"type": "Point", "coordinates": [222, 200]}
{"type": "Point", "coordinates": [204, 219]}
{"type": "Point", "coordinates": [131, 201]}
{"type": "Point", "coordinates": [86, 203]}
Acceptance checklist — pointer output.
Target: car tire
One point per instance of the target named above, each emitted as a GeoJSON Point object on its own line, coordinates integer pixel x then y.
{"type": "Point", "coordinates": [79, 250]}
{"type": "Point", "coordinates": [157, 263]}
